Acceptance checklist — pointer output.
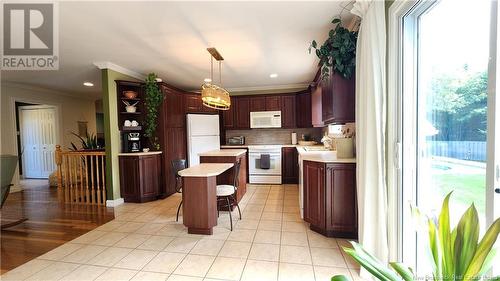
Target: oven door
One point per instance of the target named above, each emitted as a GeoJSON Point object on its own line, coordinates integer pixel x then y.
{"type": "Point", "coordinates": [274, 167]}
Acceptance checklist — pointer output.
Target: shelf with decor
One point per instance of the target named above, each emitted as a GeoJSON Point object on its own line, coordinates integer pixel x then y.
{"type": "Point", "coordinates": [131, 128]}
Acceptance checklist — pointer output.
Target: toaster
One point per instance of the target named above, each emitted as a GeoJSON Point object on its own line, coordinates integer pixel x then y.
{"type": "Point", "coordinates": [239, 140]}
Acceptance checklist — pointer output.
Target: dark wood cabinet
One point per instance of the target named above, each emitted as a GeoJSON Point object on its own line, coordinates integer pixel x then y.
{"type": "Point", "coordinates": [193, 103]}
{"type": "Point", "coordinates": [228, 115]}
{"type": "Point", "coordinates": [273, 103]}
{"type": "Point", "coordinates": [288, 118]}
{"type": "Point", "coordinates": [173, 108]}
{"type": "Point", "coordinates": [330, 203]}
{"type": "Point", "coordinates": [338, 99]}
{"type": "Point", "coordinates": [303, 110]}
{"type": "Point", "coordinates": [242, 113]}
{"type": "Point", "coordinates": [289, 165]}
{"type": "Point", "coordinates": [174, 147]}
{"type": "Point", "coordinates": [316, 107]}
{"type": "Point", "coordinates": [140, 177]}
{"type": "Point", "coordinates": [257, 104]}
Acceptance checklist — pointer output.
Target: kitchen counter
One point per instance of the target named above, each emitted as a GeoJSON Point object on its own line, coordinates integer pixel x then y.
{"type": "Point", "coordinates": [139, 153]}
{"type": "Point", "coordinates": [258, 145]}
{"type": "Point", "coordinates": [206, 170]}
{"type": "Point", "coordinates": [223, 152]}
{"type": "Point", "coordinates": [323, 156]}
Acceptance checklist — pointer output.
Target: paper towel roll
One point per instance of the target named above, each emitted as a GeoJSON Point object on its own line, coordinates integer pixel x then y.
{"type": "Point", "coordinates": [294, 138]}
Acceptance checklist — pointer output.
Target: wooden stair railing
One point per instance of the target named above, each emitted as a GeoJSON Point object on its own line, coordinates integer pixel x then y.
{"type": "Point", "coordinates": [81, 176]}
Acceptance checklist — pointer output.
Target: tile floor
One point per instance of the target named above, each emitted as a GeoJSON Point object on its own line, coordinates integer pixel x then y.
{"type": "Point", "coordinates": [144, 242]}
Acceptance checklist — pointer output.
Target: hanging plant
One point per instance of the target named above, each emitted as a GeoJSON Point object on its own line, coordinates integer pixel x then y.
{"type": "Point", "coordinates": [338, 52]}
{"type": "Point", "coordinates": [153, 99]}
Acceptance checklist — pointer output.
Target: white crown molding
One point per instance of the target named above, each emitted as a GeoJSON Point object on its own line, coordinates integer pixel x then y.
{"type": "Point", "coordinates": [121, 69]}
{"type": "Point", "coordinates": [41, 89]}
{"type": "Point", "coordinates": [265, 89]}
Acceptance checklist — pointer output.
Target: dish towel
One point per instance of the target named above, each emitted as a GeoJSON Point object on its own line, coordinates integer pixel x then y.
{"type": "Point", "coordinates": [265, 161]}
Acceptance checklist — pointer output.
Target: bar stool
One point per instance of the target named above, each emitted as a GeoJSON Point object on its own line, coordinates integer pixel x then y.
{"type": "Point", "coordinates": [226, 192]}
{"type": "Point", "coordinates": [177, 165]}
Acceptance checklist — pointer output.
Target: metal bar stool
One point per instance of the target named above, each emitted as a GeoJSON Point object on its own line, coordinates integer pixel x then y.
{"type": "Point", "coordinates": [177, 165]}
{"type": "Point", "coordinates": [226, 192]}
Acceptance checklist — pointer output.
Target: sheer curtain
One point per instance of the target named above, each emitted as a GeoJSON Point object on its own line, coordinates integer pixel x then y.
{"type": "Point", "coordinates": [370, 127]}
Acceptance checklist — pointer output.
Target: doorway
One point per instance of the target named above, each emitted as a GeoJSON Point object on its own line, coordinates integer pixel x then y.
{"type": "Point", "coordinates": [38, 139]}
{"type": "Point", "coordinates": [448, 122]}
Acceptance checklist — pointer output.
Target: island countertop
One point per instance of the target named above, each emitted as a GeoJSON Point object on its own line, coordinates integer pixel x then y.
{"type": "Point", "coordinates": [323, 156]}
{"type": "Point", "coordinates": [206, 170]}
{"type": "Point", "coordinates": [224, 152]}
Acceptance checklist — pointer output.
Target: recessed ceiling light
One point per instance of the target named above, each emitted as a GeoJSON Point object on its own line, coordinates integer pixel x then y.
{"type": "Point", "coordinates": [208, 80]}
{"type": "Point", "coordinates": [273, 75]}
{"type": "Point", "coordinates": [88, 84]}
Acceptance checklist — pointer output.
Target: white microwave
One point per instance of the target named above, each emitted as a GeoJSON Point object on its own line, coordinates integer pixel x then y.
{"type": "Point", "coordinates": [265, 119]}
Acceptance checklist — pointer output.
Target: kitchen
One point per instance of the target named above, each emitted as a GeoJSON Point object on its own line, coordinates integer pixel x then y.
{"type": "Point", "coordinates": [286, 138]}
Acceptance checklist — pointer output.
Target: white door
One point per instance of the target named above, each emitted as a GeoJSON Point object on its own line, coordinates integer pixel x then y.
{"type": "Point", "coordinates": [197, 145]}
{"type": "Point", "coordinates": [203, 125]}
{"type": "Point", "coordinates": [38, 140]}
{"type": "Point", "coordinates": [450, 120]}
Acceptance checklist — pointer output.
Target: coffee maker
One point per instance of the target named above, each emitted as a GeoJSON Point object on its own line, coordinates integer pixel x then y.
{"type": "Point", "coordinates": [132, 142]}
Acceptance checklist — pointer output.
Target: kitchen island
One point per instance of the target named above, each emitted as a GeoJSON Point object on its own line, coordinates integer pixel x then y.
{"type": "Point", "coordinates": [229, 156]}
{"type": "Point", "coordinates": [327, 188]}
{"type": "Point", "coordinates": [199, 198]}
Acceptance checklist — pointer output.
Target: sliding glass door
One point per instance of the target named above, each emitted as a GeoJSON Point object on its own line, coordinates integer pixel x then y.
{"type": "Point", "coordinates": [449, 134]}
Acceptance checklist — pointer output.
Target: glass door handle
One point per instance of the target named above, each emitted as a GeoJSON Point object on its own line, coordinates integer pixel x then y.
{"type": "Point", "coordinates": [497, 190]}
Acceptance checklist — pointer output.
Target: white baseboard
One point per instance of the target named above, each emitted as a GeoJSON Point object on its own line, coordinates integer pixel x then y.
{"type": "Point", "coordinates": [15, 188]}
{"type": "Point", "coordinates": [114, 203]}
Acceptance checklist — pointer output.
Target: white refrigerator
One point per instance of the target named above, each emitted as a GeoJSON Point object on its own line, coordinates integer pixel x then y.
{"type": "Point", "coordinates": [202, 136]}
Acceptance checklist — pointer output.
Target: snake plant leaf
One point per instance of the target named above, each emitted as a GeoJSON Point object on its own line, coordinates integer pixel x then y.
{"type": "Point", "coordinates": [483, 250]}
{"type": "Point", "coordinates": [403, 271]}
{"type": "Point", "coordinates": [340, 278]}
{"type": "Point", "coordinates": [447, 267]}
{"type": "Point", "coordinates": [435, 246]}
{"type": "Point", "coordinates": [371, 263]}
{"type": "Point", "coordinates": [374, 269]}
{"type": "Point", "coordinates": [466, 240]}
{"type": "Point", "coordinates": [496, 278]}
{"type": "Point", "coordinates": [488, 262]}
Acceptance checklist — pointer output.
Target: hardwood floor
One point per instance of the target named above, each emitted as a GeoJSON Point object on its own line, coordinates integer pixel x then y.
{"type": "Point", "coordinates": [49, 225]}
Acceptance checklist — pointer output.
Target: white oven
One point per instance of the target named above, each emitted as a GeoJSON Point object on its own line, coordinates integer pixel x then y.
{"type": "Point", "coordinates": [258, 174]}
{"type": "Point", "coordinates": [265, 119]}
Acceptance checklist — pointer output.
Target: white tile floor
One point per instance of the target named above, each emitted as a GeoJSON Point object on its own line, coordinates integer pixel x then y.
{"type": "Point", "coordinates": [144, 242]}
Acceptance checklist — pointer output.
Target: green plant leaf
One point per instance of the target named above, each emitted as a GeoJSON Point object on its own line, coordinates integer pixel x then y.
{"type": "Point", "coordinates": [340, 278]}
{"type": "Point", "coordinates": [483, 249]}
{"type": "Point", "coordinates": [466, 240]}
{"type": "Point", "coordinates": [445, 238]}
{"type": "Point", "coordinates": [403, 271]}
{"type": "Point", "coordinates": [434, 247]}
{"type": "Point", "coordinates": [371, 263]}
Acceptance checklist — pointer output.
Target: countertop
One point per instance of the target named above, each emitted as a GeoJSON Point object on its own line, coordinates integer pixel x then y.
{"type": "Point", "coordinates": [139, 153]}
{"type": "Point", "coordinates": [323, 156]}
{"type": "Point", "coordinates": [206, 170]}
{"type": "Point", "coordinates": [224, 152]}
{"type": "Point", "coordinates": [256, 145]}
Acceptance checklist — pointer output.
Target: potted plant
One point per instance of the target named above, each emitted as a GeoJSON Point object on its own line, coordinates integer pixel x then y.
{"type": "Point", "coordinates": [152, 100]}
{"type": "Point", "coordinates": [338, 52]}
{"type": "Point", "coordinates": [456, 254]}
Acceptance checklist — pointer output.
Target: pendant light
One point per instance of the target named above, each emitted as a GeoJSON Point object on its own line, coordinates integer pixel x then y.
{"type": "Point", "coordinates": [212, 95]}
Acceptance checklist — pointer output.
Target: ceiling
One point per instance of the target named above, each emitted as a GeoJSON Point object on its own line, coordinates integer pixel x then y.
{"type": "Point", "coordinates": [170, 39]}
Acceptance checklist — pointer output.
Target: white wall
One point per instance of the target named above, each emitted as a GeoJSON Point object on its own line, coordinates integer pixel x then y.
{"type": "Point", "coordinates": [70, 110]}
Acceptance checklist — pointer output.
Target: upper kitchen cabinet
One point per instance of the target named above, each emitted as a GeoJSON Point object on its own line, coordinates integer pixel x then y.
{"type": "Point", "coordinates": [273, 103]}
{"type": "Point", "coordinates": [242, 113]}
{"type": "Point", "coordinates": [303, 109]}
{"type": "Point", "coordinates": [337, 97]}
{"type": "Point", "coordinates": [288, 116]}
{"type": "Point", "coordinates": [316, 106]}
{"type": "Point", "coordinates": [257, 104]}
{"type": "Point", "coordinates": [228, 115]}
{"type": "Point", "coordinates": [194, 104]}
{"type": "Point", "coordinates": [172, 111]}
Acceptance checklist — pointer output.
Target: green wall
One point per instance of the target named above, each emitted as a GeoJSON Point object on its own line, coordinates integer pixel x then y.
{"type": "Point", "coordinates": [111, 132]}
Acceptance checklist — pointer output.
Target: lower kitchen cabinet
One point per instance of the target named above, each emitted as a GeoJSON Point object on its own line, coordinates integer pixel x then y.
{"type": "Point", "coordinates": [289, 165]}
{"type": "Point", "coordinates": [140, 177]}
{"type": "Point", "coordinates": [330, 204]}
